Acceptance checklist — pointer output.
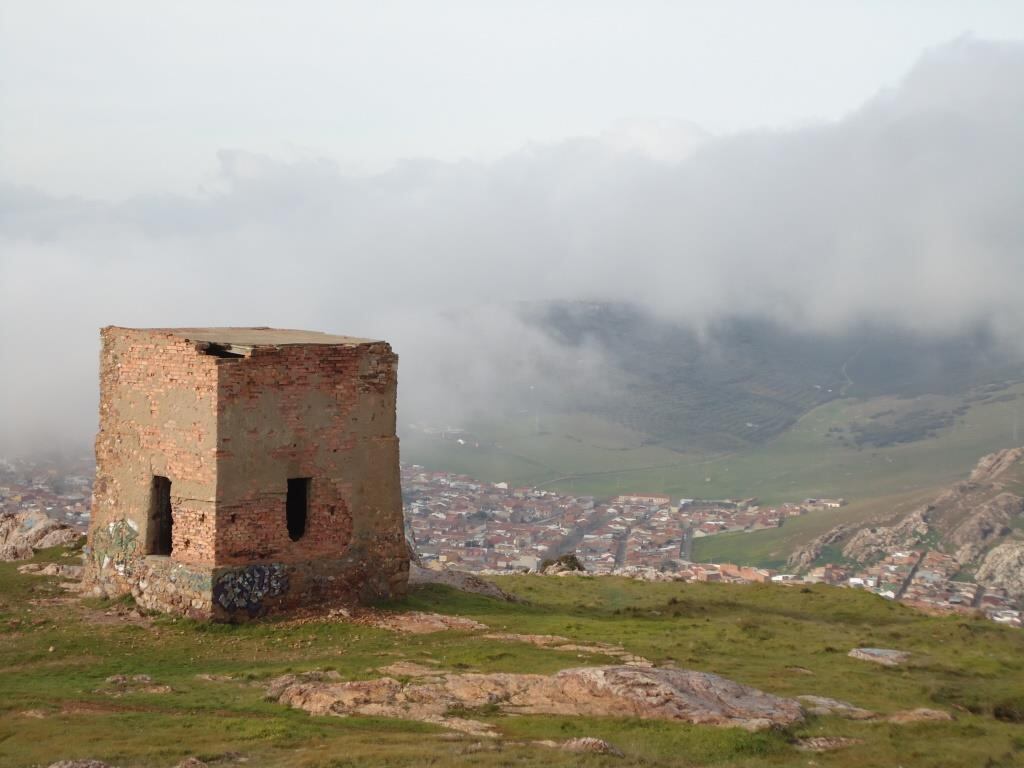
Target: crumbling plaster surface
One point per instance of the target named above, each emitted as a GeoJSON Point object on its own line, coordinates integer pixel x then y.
{"type": "Point", "coordinates": [158, 416]}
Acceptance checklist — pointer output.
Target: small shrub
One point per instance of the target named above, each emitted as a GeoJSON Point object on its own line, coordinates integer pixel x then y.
{"type": "Point", "coordinates": [1009, 710]}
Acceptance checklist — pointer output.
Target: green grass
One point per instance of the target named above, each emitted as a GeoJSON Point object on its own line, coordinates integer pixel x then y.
{"type": "Point", "coordinates": [753, 634]}
{"type": "Point", "coordinates": [771, 547]}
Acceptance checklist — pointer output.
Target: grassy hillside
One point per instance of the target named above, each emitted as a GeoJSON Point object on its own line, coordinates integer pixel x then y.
{"type": "Point", "coordinates": [770, 548]}
{"type": "Point", "coordinates": [817, 456]}
{"type": "Point", "coordinates": [56, 655]}
{"type": "Point", "coordinates": [740, 381]}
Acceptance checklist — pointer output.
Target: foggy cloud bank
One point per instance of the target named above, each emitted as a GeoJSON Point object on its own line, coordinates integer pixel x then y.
{"type": "Point", "coordinates": [907, 212]}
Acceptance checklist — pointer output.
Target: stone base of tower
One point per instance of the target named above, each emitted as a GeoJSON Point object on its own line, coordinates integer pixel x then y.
{"type": "Point", "coordinates": [246, 592]}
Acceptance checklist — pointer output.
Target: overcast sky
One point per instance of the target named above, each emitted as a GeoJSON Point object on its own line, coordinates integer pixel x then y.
{"type": "Point", "coordinates": [819, 164]}
{"type": "Point", "coordinates": [107, 98]}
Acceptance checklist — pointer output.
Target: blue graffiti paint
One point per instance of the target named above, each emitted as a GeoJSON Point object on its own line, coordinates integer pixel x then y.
{"type": "Point", "coordinates": [245, 589]}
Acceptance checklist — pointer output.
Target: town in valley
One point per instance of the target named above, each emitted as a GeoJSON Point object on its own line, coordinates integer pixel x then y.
{"type": "Point", "coordinates": [456, 521]}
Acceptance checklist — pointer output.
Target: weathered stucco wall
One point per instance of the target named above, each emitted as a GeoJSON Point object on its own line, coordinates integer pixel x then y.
{"type": "Point", "coordinates": [229, 432]}
{"type": "Point", "coordinates": [158, 416]}
{"type": "Point", "coordinates": [326, 412]}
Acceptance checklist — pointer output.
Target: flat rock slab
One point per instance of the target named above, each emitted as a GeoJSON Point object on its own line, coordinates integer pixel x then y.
{"type": "Point", "coordinates": [616, 691]}
{"type": "Point", "coordinates": [921, 715]}
{"type": "Point", "coordinates": [419, 623]}
{"type": "Point", "coordinates": [825, 743]}
{"type": "Point", "coordinates": [884, 656]}
{"type": "Point", "coordinates": [558, 643]}
{"type": "Point", "coordinates": [583, 744]}
{"type": "Point", "coordinates": [822, 705]}
{"type": "Point", "coordinates": [461, 580]}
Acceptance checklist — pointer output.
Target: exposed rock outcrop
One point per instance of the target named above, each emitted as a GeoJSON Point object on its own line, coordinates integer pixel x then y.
{"type": "Point", "coordinates": [583, 744]}
{"type": "Point", "coordinates": [557, 643]}
{"type": "Point", "coordinates": [825, 743]}
{"type": "Point", "coordinates": [1003, 568]}
{"type": "Point", "coordinates": [804, 557]}
{"type": "Point", "coordinates": [994, 464]}
{"type": "Point", "coordinates": [567, 563]}
{"type": "Point", "coordinates": [460, 580]}
{"type": "Point", "coordinates": [984, 525]}
{"type": "Point", "coordinates": [119, 685]}
{"type": "Point", "coordinates": [872, 543]}
{"type": "Point", "coordinates": [822, 705]}
{"type": "Point", "coordinates": [887, 657]}
{"type": "Point", "coordinates": [967, 520]}
{"type": "Point", "coordinates": [61, 570]}
{"type": "Point", "coordinates": [622, 691]}
{"type": "Point", "coordinates": [21, 533]}
{"type": "Point", "coordinates": [646, 573]}
{"type": "Point", "coordinates": [920, 715]}
{"type": "Point", "coordinates": [420, 623]}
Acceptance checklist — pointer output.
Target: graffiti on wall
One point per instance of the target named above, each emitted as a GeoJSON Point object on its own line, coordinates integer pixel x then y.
{"type": "Point", "coordinates": [187, 580]}
{"type": "Point", "coordinates": [247, 588]}
{"type": "Point", "coordinates": [115, 545]}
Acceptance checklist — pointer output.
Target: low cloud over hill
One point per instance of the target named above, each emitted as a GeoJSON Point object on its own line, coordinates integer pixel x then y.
{"type": "Point", "coordinates": [905, 213]}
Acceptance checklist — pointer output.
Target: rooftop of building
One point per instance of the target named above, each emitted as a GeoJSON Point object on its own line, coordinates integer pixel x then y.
{"type": "Point", "coordinates": [255, 336]}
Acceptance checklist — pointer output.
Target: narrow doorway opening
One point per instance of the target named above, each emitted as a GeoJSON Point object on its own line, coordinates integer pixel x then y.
{"type": "Point", "coordinates": [297, 506]}
{"type": "Point", "coordinates": [161, 519]}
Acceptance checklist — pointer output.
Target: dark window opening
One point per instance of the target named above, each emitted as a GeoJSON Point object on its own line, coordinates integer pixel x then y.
{"type": "Point", "coordinates": [297, 506]}
{"type": "Point", "coordinates": [161, 519]}
{"type": "Point", "coordinates": [219, 350]}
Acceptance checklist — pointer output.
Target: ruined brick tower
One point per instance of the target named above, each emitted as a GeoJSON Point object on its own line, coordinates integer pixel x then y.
{"type": "Point", "coordinates": [241, 471]}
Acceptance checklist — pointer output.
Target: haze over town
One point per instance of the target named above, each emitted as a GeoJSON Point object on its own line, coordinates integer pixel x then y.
{"type": "Point", "coordinates": [667, 175]}
{"type": "Point", "coordinates": [552, 384]}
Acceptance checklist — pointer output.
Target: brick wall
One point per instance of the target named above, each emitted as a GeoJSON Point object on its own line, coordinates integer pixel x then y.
{"type": "Point", "coordinates": [320, 412]}
{"type": "Point", "coordinates": [157, 417]}
{"type": "Point", "coordinates": [229, 432]}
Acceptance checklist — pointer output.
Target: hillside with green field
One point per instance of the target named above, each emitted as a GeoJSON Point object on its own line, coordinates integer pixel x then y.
{"type": "Point", "coordinates": [817, 456]}
{"type": "Point", "coordinates": [743, 407]}
{"type": "Point", "coordinates": [69, 667]}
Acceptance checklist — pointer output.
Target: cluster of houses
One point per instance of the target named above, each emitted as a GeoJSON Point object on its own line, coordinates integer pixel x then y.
{"type": "Point", "coordinates": [707, 517]}
{"type": "Point", "coordinates": [486, 526]}
{"type": "Point", "coordinates": [59, 489]}
{"type": "Point", "coordinates": [490, 526]}
{"type": "Point", "coordinates": [924, 579]}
